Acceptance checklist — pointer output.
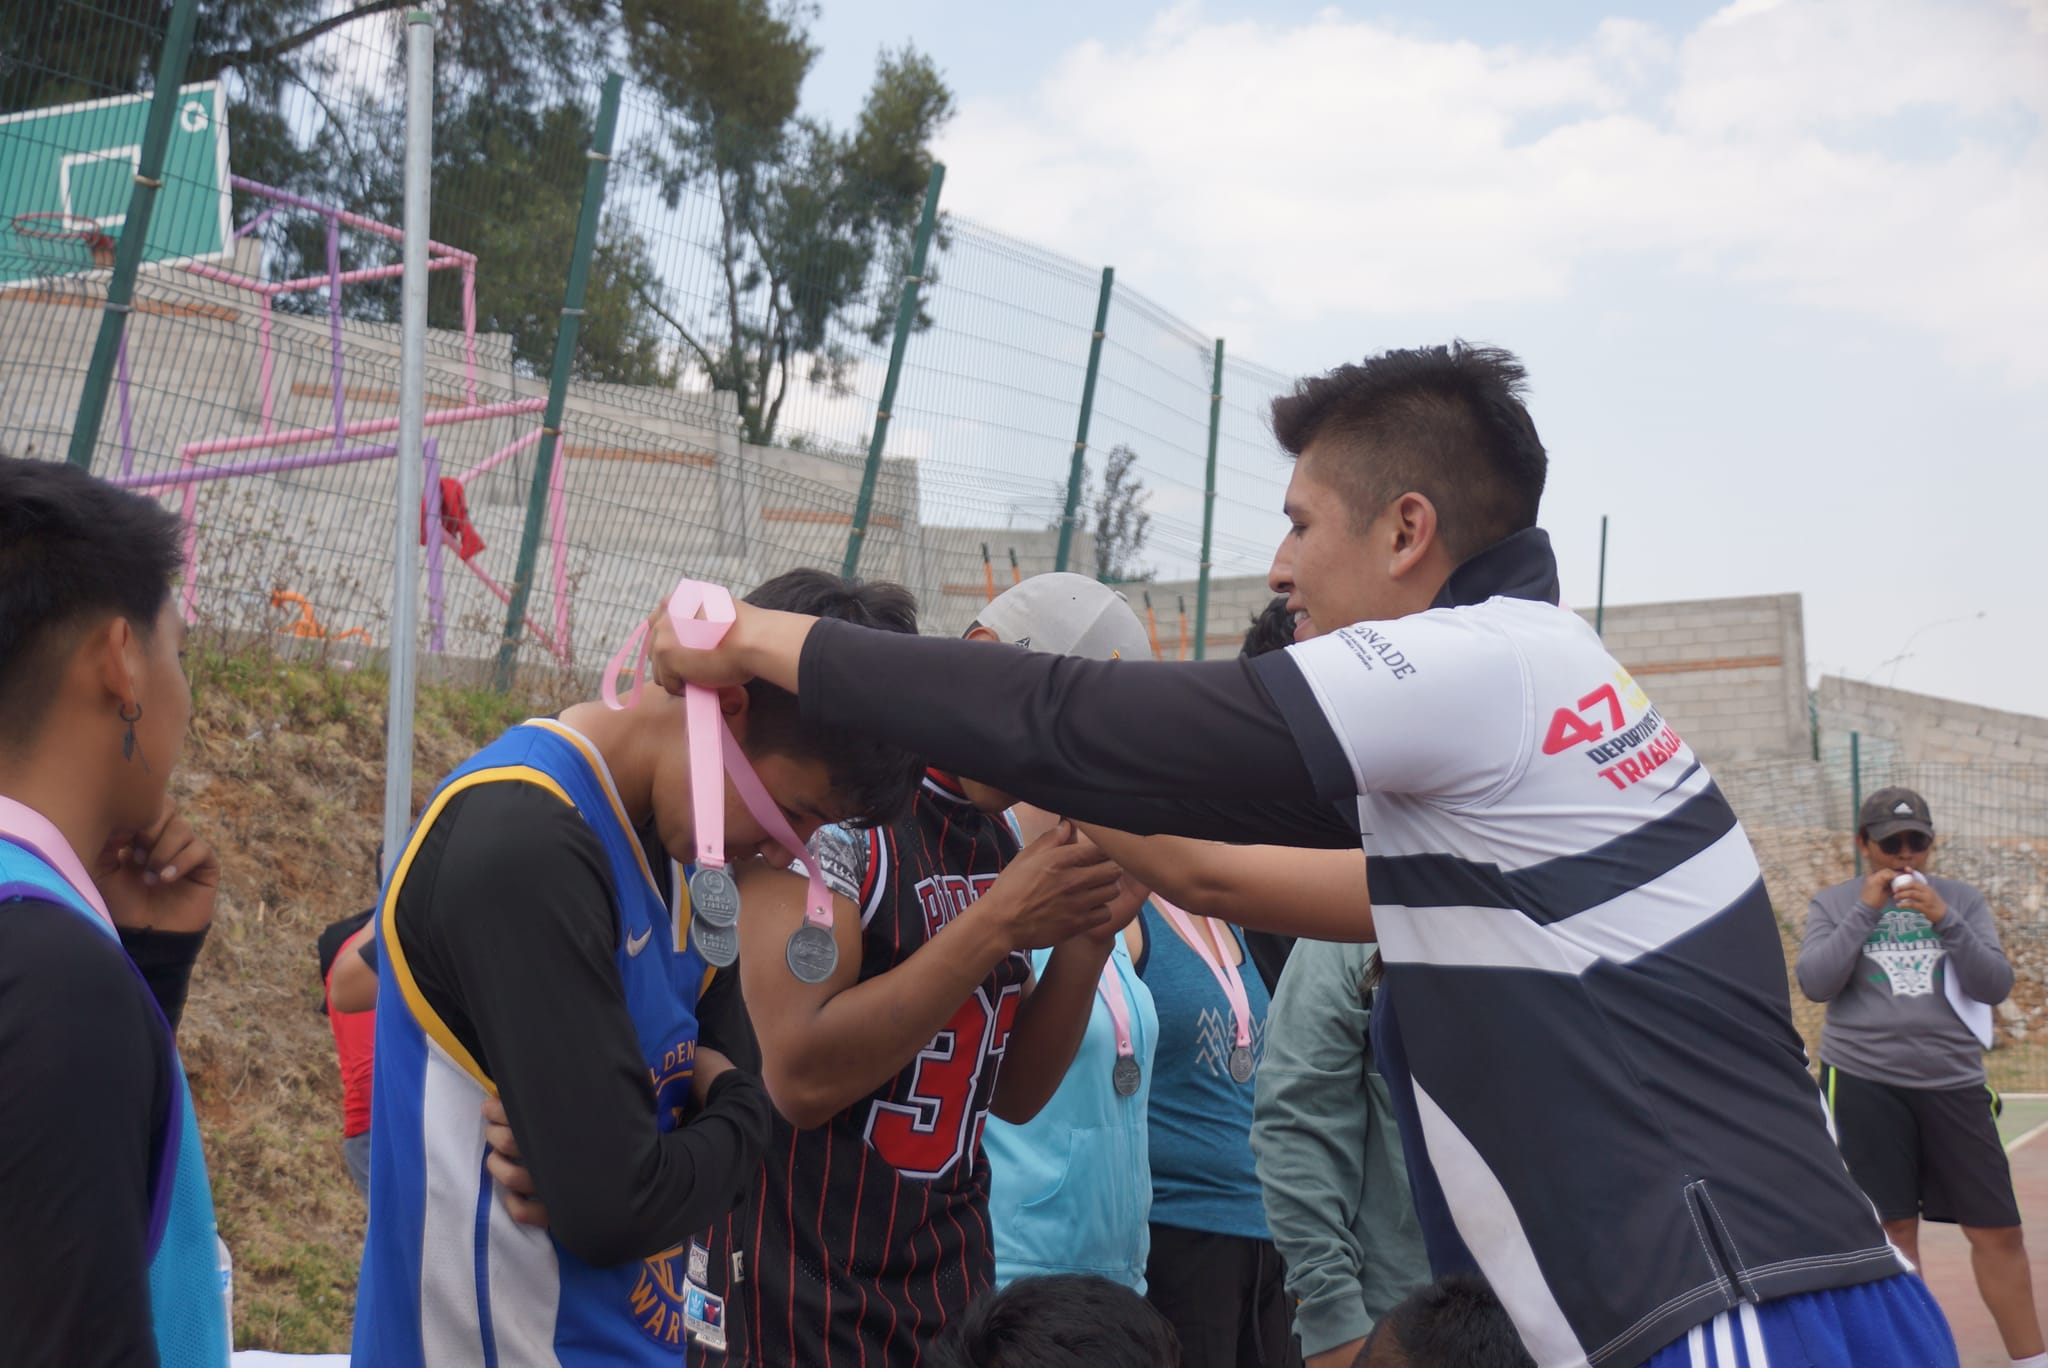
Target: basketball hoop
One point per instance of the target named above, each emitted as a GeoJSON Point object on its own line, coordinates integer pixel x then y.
{"type": "Point", "coordinates": [59, 228]}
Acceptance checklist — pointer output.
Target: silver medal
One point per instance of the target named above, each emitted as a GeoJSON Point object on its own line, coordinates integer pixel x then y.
{"type": "Point", "coordinates": [1240, 1064]}
{"type": "Point", "coordinates": [714, 897]}
{"type": "Point", "coordinates": [719, 945]}
{"type": "Point", "coordinates": [1126, 1076]}
{"type": "Point", "coordinates": [812, 953]}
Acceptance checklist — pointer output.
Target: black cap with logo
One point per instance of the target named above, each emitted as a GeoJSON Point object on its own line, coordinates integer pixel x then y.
{"type": "Point", "coordinates": [1890, 811]}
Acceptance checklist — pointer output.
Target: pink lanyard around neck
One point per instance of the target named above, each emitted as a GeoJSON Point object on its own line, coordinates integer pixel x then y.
{"type": "Point", "coordinates": [1111, 987]}
{"type": "Point", "coordinates": [1219, 964]}
{"type": "Point", "coordinates": [41, 836]}
{"type": "Point", "coordinates": [714, 753]}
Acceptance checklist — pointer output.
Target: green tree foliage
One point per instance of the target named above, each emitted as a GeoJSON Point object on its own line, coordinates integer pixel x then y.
{"type": "Point", "coordinates": [805, 211]}
{"type": "Point", "coordinates": [309, 115]}
{"type": "Point", "coordinates": [1118, 519]}
{"type": "Point", "coordinates": [516, 176]}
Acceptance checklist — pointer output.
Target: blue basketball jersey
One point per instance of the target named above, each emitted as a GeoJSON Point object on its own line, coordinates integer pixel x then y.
{"type": "Point", "coordinates": [448, 1277]}
{"type": "Point", "coordinates": [185, 1293]}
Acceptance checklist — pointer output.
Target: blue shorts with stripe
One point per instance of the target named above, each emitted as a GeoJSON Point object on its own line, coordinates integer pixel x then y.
{"type": "Point", "coordinates": [1891, 1323]}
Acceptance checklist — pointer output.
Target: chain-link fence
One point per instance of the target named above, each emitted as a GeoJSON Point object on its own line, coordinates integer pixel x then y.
{"type": "Point", "coordinates": [719, 413]}
{"type": "Point", "coordinates": [1992, 824]}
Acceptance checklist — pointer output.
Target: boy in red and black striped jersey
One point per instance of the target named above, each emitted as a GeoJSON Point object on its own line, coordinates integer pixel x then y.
{"type": "Point", "coordinates": [867, 1227]}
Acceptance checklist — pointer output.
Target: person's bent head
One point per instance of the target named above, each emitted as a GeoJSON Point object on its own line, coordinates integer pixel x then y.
{"type": "Point", "coordinates": [1406, 465]}
{"type": "Point", "coordinates": [92, 692]}
{"type": "Point", "coordinates": [816, 775]}
{"type": "Point", "coordinates": [1456, 1322]}
{"type": "Point", "coordinates": [1061, 1321]}
{"type": "Point", "coordinates": [1060, 614]}
{"type": "Point", "coordinates": [1271, 630]}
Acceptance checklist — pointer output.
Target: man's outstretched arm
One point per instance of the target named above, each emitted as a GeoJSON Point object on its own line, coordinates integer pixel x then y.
{"type": "Point", "coordinates": [1043, 726]}
{"type": "Point", "coordinates": [1316, 894]}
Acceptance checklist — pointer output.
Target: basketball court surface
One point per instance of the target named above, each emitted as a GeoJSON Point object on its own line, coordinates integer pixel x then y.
{"type": "Point", "coordinates": [1945, 1255]}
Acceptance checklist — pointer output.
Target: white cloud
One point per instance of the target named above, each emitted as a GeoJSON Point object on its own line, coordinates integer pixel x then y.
{"type": "Point", "coordinates": [1882, 158]}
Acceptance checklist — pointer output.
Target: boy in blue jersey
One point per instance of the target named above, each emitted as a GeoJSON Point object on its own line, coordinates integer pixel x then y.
{"type": "Point", "coordinates": [528, 942]}
{"type": "Point", "coordinates": [107, 1247]}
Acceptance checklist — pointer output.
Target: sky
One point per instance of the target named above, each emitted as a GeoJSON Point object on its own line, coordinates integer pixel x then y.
{"type": "Point", "coordinates": [1778, 268]}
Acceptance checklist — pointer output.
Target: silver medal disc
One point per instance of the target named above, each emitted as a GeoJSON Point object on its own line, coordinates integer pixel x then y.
{"type": "Point", "coordinates": [714, 897]}
{"type": "Point", "coordinates": [1126, 1076]}
{"type": "Point", "coordinates": [1240, 1064]}
{"type": "Point", "coordinates": [812, 953]}
{"type": "Point", "coordinates": [719, 945]}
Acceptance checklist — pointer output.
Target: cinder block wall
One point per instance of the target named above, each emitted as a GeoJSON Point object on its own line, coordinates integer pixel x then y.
{"type": "Point", "coordinates": [1730, 674]}
{"type": "Point", "coordinates": [1919, 729]}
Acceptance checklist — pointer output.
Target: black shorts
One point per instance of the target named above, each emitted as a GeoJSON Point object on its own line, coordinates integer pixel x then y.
{"type": "Point", "coordinates": [1225, 1297]}
{"type": "Point", "coordinates": [1933, 1153]}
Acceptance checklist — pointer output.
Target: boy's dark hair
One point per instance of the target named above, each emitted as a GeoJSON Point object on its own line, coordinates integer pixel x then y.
{"type": "Point", "coordinates": [1064, 1320]}
{"type": "Point", "coordinates": [1455, 1322]}
{"type": "Point", "coordinates": [73, 551]}
{"type": "Point", "coordinates": [1272, 629]}
{"type": "Point", "coordinates": [1445, 422]}
{"type": "Point", "coordinates": [877, 779]}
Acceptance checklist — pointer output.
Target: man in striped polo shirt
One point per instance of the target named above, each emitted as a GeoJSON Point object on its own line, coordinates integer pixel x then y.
{"type": "Point", "coordinates": [1595, 1053]}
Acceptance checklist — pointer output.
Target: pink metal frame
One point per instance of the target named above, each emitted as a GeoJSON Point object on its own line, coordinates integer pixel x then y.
{"type": "Point", "coordinates": [190, 473]}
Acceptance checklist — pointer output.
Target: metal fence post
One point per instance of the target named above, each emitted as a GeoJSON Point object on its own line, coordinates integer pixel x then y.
{"type": "Point", "coordinates": [412, 413]}
{"type": "Point", "coordinates": [1856, 791]}
{"type": "Point", "coordinates": [1078, 468]}
{"type": "Point", "coordinates": [149, 170]}
{"type": "Point", "coordinates": [1209, 506]}
{"type": "Point", "coordinates": [600, 160]}
{"type": "Point", "coordinates": [906, 319]}
{"type": "Point", "coordinates": [1600, 598]}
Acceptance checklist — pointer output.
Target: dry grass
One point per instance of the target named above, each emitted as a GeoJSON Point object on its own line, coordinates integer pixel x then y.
{"type": "Point", "coordinates": [284, 773]}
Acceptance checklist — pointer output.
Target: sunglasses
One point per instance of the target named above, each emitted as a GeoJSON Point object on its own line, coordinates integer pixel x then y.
{"type": "Point", "coordinates": [1915, 841]}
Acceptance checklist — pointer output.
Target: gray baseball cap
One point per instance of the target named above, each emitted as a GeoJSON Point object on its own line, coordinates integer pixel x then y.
{"type": "Point", "coordinates": [1890, 811]}
{"type": "Point", "coordinates": [1067, 614]}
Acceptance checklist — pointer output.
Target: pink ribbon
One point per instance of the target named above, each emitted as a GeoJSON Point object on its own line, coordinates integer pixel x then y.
{"type": "Point", "coordinates": [714, 753]}
{"type": "Point", "coordinates": [1225, 972]}
{"type": "Point", "coordinates": [1111, 987]}
{"type": "Point", "coordinates": [40, 834]}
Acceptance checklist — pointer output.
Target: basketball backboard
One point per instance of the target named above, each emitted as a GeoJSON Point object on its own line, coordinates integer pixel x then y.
{"type": "Point", "coordinates": [66, 173]}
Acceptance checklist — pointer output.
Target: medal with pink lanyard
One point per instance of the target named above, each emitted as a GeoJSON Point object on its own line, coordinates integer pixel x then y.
{"type": "Point", "coordinates": [812, 953]}
{"type": "Point", "coordinates": [1227, 975]}
{"type": "Point", "coordinates": [1126, 1074]}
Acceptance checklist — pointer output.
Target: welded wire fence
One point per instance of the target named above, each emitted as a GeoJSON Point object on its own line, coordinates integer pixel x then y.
{"type": "Point", "coordinates": [720, 411]}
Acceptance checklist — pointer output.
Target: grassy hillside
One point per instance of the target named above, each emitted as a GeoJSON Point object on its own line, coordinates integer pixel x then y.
{"type": "Point", "coordinates": [284, 773]}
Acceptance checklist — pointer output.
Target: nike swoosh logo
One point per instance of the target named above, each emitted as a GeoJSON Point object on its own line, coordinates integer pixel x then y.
{"type": "Point", "coordinates": [635, 944]}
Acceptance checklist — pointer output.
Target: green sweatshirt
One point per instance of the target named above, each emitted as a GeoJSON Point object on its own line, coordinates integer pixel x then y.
{"type": "Point", "coordinates": [1329, 1159]}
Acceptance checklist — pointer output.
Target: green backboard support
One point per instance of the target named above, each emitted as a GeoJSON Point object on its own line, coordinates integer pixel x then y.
{"type": "Point", "coordinates": [68, 170]}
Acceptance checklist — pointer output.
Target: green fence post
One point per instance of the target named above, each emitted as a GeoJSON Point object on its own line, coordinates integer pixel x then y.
{"type": "Point", "coordinates": [906, 319]}
{"type": "Point", "coordinates": [600, 157]}
{"type": "Point", "coordinates": [1856, 790]}
{"type": "Point", "coordinates": [1600, 596]}
{"type": "Point", "coordinates": [149, 169]}
{"type": "Point", "coordinates": [1209, 505]}
{"type": "Point", "coordinates": [1078, 469]}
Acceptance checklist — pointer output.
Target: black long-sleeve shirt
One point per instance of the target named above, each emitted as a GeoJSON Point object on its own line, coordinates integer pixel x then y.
{"type": "Point", "coordinates": [85, 1086]}
{"type": "Point", "coordinates": [1202, 749]}
{"type": "Point", "coordinates": [507, 922]}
